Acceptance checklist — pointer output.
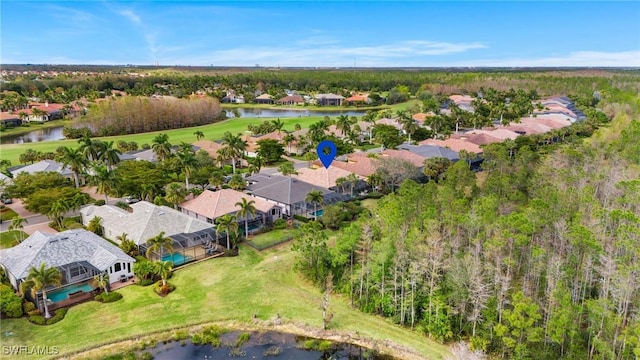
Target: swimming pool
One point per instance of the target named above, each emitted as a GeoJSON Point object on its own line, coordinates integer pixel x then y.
{"type": "Point", "coordinates": [317, 213]}
{"type": "Point", "coordinates": [61, 294]}
{"type": "Point", "coordinates": [176, 258]}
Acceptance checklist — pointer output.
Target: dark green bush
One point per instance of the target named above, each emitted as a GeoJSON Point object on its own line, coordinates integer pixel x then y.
{"type": "Point", "coordinates": [301, 218]}
{"type": "Point", "coordinates": [38, 319]}
{"type": "Point", "coordinates": [99, 202]}
{"type": "Point", "coordinates": [107, 298]}
{"type": "Point", "coordinates": [60, 313]}
{"type": "Point", "coordinates": [146, 282]}
{"type": "Point", "coordinates": [163, 289]}
{"type": "Point", "coordinates": [280, 224]}
{"type": "Point", "coordinates": [10, 302]}
{"type": "Point", "coordinates": [28, 306]}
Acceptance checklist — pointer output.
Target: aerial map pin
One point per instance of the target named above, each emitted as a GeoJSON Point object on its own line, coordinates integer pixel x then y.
{"type": "Point", "coordinates": [327, 151]}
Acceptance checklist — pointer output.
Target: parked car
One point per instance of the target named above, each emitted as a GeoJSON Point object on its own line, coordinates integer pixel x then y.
{"type": "Point", "coordinates": [131, 199]}
{"type": "Point", "coordinates": [5, 199]}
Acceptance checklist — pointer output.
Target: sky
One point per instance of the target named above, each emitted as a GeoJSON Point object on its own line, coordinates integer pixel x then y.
{"type": "Point", "coordinates": [322, 33]}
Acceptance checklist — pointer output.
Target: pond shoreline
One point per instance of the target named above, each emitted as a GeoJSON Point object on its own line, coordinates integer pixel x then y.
{"type": "Point", "coordinates": [381, 346]}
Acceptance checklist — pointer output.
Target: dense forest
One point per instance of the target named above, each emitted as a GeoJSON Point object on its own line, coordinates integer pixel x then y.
{"type": "Point", "coordinates": [537, 257]}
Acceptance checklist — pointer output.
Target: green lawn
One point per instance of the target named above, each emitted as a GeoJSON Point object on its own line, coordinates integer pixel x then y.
{"type": "Point", "coordinates": [370, 204]}
{"type": "Point", "coordinates": [222, 289]}
{"type": "Point", "coordinates": [211, 132]}
{"type": "Point", "coordinates": [267, 239]}
{"type": "Point", "coordinates": [8, 238]}
{"type": "Point", "coordinates": [7, 214]}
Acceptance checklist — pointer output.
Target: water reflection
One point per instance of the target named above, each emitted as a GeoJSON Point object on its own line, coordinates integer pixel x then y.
{"type": "Point", "coordinates": [49, 134]}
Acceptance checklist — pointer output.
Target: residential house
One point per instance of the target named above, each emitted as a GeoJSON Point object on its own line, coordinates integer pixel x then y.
{"type": "Point", "coordinates": [355, 100]}
{"type": "Point", "coordinates": [431, 151]}
{"type": "Point", "coordinates": [43, 166]}
{"type": "Point", "coordinates": [361, 163]}
{"type": "Point", "coordinates": [46, 112]}
{"type": "Point", "coordinates": [211, 205]}
{"type": "Point", "coordinates": [232, 98]}
{"type": "Point", "coordinates": [325, 178]}
{"type": "Point", "coordinates": [10, 119]}
{"type": "Point", "coordinates": [264, 99]}
{"type": "Point", "coordinates": [329, 99]}
{"type": "Point", "coordinates": [454, 144]}
{"type": "Point", "coordinates": [78, 254]}
{"type": "Point", "coordinates": [146, 220]}
{"type": "Point", "coordinates": [528, 128]}
{"type": "Point", "coordinates": [463, 102]}
{"type": "Point", "coordinates": [291, 100]}
{"type": "Point", "coordinates": [553, 123]}
{"type": "Point", "coordinates": [210, 147]}
{"type": "Point", "coordinates": [288, 193]}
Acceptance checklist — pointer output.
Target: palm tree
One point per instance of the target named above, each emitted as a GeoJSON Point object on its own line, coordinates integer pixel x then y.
{"type": "Point", "coordinates": [227, 224]}
{"type": "Point", "coordinates": [408, 124]}
{"type": "Point", "coordinates": [255, 164]}
{"type": "Point", "coordinates": [375, 181]}
{"type": "Point", "coordinates": [89, 148]}
{"type": "Point", "coordinates": [57, 210]}
{"type": "Point", "coordinates": [163, 268]}
{"type": "Point", "coordinates": [147, 192]}
{"type": "Point", "coordinates": [75, 160]}
{"type": "Point", "coordinates": [17, 223]}
{"type": "Point", "coordinates": [352, 180]}
{"type": "Point", "coordinates": [277, 125]}
{"type": "Point", "coordinates": [340, 183]}
{"type": "Point", "coordinates": [316, 131]}
{"type": "Point", "coordinates": [95, 225]}
{"type": "Point", "coordinates": [343, 123]}
{"type": "Point", "coordinates": [466, 156]}
{"type": "Point", "coordinates": [199, 135]}
{"type": "Point", "coordinates": [187, 159]}
{"type": "Point", "coordinates": [288, 140]}
{"type": "Point", "coordinates": [237, 182]}
{"type": "Point", "coordinates": [236, 145]}
{"type": "Point", "coordinates": [161, 146]}
{"type": "Point", "coordinates": [104, 180]}
{"type": "Point", "coordinates": [39, 280]}
{"type": "Point", "coordinates": [315, 197]}
{"type": "Point", "coordinates": [159, 242]}
{"type": "Point", "coordinates": [246, 208]}
{"type": "Point", "coordinates": [287, 169]}
{"type": "Point", "coordinates": [175, 193]}
{"type": "Point", "coordinates": [109, 154]}
{"type": "Point", "coordinates": [217, 178]}
{"type": "Point", "coordinates": [102, 281]}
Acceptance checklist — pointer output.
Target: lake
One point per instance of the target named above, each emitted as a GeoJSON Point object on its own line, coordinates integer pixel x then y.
{"type": "Point", "coordinates": [55, 133]}
{"type": "Point", "coordinates": [261, 345]}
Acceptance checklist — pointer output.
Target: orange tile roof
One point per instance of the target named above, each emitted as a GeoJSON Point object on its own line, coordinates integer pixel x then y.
{"type": "Point", "coordinates": [322, 177]}
{"type": "Point", "coordinates": [454, 144]}
{"type": "Point", "coordinates": [358, 98]}
{"type": "Point", "coordinates": [7, 116]}
{"type": "Point", "coordinates": [213, 204]}
{"type": "Point", "coordinates": [358, 163]}
{"type": "Point", "coordinates": [211, 147]}
{"type": "Point", "coordinates": [499, 133]}
{"type": "Point", "coordinates": [553, 123]}
{"type": "Point", "coordinates": [529, 129]}
{"type": "Point", "coordinates": [406, 155]}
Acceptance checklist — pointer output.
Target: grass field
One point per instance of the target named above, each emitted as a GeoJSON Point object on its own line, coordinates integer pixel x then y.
{"type": "Point", "coordinates": [223, 289]}
{"type": "Point", "coordinates": [8, 238]}
{"type": "Point", "coordinates": [211, 132]}
{"type": "Point", "coordinates": [7, 214]}
{"type": "Point", "coordinates": [267, 239]}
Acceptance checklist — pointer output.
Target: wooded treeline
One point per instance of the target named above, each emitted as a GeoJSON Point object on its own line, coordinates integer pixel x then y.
{"type": "Point", "coordinates": [540, 259]}
{"type": "Point", "coordinates": [132, 115]}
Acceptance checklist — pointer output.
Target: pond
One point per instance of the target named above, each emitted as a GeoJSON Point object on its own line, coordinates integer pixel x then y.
{"type": "Point", "coordinates": [48, 134]}
{"type": "Point", "coordinates": [264, 345]}
{"type": "Point", "coordinates": [55, 133]}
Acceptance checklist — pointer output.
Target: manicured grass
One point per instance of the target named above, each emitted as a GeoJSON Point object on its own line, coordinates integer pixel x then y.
{"type": "Point", "coordinates": [7, 214]}
{"type": "Point", "coordinates": [222, 289]}
{"type": "Point", "coordinates": [370, 204]}
{"type": "Point", "coordinates": [8, 238]}
{"type": "Point", "coordinates": [211, 132]}
{"type": "Point", "coordinates": [265, 240]}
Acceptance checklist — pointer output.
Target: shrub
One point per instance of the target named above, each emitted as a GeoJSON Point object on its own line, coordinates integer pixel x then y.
{"type": "Point", "coordinates": [242, 339]}
{"type": "Point", "coordinates": [301, 218]}
{"type": "Point", "coordinates": [99, 202]}
{"type": "Point", "coordinates": [280, 224]}
{"type": "Point", "coordinates": [28, 306]}
{"type": "Point", "coordinates": [107, 298]}
{"type": "Point", "coordinates": [163, 289]}
{"type": "Point", "coordinates": [209, 335]}
{"type": "Point", "coordinates": [37, 319]}
{"type": "Point", "coordinates": [146, 282]}
{"type": "Point", "coordinates": [60, 313]}
{"type": "Point", "coordinates": [317, 345]}
{"type": "Point", "coordinates": [10, 302]}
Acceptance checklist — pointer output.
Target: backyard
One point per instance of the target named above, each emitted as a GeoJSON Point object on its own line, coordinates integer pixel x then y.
{"type": "Point", "coordinates": [270, 238]}
{"type": "Point", "coordinates": [222, 290]}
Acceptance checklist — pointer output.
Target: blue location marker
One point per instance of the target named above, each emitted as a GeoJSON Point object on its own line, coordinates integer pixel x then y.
{"type": "Point", "coordinates": [327, 151]}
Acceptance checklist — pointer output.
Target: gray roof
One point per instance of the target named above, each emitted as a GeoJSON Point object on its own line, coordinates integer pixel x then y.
{"type": "Point", "coordinates": [144, 222]}
{"type": "Point", "coordinates": [329, 96]}
{"type": "Point", "coordinates": [150, 155]}
{"type": "Point", "coordinates": [283, 189]}
{"type": "Point", "coordinates": [431, 151]}
{"type": "Point", "coordinates": [56, 250]}
{"type": "Point", "coordinates": [44, 165]}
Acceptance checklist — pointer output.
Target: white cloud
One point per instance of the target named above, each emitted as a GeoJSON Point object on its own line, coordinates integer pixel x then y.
{"type": "Point", "coordinates": [327, 53]}
{"type": "Point", "coordinates": [132, 16]}
{"type": "Point", "coordinates": [578, 59]}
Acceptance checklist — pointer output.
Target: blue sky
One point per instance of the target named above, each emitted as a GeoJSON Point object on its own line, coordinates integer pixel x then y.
{"type": "Point", "coordinates": [321, 33]}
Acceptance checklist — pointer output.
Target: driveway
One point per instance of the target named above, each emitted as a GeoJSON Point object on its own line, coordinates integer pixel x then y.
{"type": "Point", "coordinates": [35, 222]}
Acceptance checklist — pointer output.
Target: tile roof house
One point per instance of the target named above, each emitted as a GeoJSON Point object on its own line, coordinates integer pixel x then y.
{"type": "Point", "coordinates": [211, 147]}
{"type": "Point", "coordinates": [329, 99]}
{"type": "Point", "coordinates": [44, 166]}
{"type": "Point", "coordinates": [528, 129]}
{"type": "Point", "coordinates": [264, 99]}
{"type": "Point", "coordinates": [147, 220]}
{"type": "Point", "coordinates": [287, 192]}
{"type": "Point", "coordinates": [10, 119]}
{"type": "Point", "coordinates": [78, 254]}
{"type": "Point", "coordinates": [211, 205]}
{"type": "Point", "coordinates": [454, 144]}
{"type": "Point", "coordinates": [391, 122]}
{"type": "Point", "coordinates": [358, 99]}
{"type": "Point", "coordinates": [553, 123]}
{"type": "Point", "coordinates": [415, 159]}
{"type": "Point", "coordinates": [322, 177]}
{"type": "Point", "coordinates": [291, 100]}
{"type": "Point", "coordinates": [358, 163]}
